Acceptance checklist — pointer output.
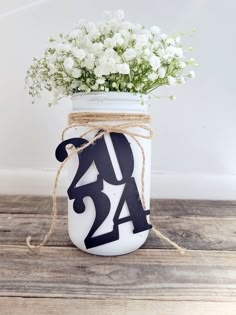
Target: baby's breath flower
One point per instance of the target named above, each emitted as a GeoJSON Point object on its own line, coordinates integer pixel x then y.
{"type": "Point", "coordinates": [192, 74]}
{"type": "Point", "coordinates": [147, 52]}
{"type": "Point", "coordinates": [78, 53]}
{"type": "Point", "coordinates": [170, 41]}
{"type": "Point", "coordinates": [155, 62]}
{"type": "Point", "coordinates": [141, 40]}
{"type": "Point", "coordinates": [89, 61]}
{"type": "Point", "coordinates": [75, 33]}
{"type": "Point", "coordinates": [129, 54]}
{"type": "Point", "coordinates": [163, 36]}
{"type": "Point", "coordinates": [118, 40]}
{"type": "Point", "coordinates": [171, 80]}
{"type": "Point", "coordinates": [68, 63]}
{"type": "Point", "coordinates": [191, 61]}
{"type": "Point", "coordinates": [119, 14]}
{"type": "Point", "coordinates": [63, 47]}
{"type": "Point", "coordinates": [112, 55]}
{"type": "Point", "coordinates": [162, 72]}
{"type": "Point", "coordinates": [123, 68]}
{"type": "Point", "coordinates": [155, 30]}
{"type": "Point", "coordinates": [152, 76]}
{"type": "Point", "coordinates": [177, 39]}
{"type": "Point", "coordinates": [130, 85]}
{"type": "Point", "coordinates": [182, 64]}
{"type": "Point", "coordinates": [100, 81]}
{"type": "Point", "coordinates": [76, 73]}
{"type": "Point", "coordinates": [94, 87]}
{"type": "Point", "coordinates": [181, 80]}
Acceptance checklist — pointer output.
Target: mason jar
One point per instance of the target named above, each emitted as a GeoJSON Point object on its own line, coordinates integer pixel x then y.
{"type": "Point", "coordinates": [105, 211]}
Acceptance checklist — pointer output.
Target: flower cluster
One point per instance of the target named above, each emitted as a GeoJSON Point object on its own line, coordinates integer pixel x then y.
{"type": "Point", "coordinates": [112, 55]}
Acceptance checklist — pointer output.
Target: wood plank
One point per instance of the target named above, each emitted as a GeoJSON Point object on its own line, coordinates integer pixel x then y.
{"type": "Point", "coordinates": [11, 204]}
{"type": "Point", "coordinates": [201, 233]}
{"type": "Point", "coordinates": [179, 207]}
{"type": "Point", "coordinates": [144, 274]}
{"type": "Point", "coordinates": [45, 306]}
{"type": "Point", "coordinates": [164, 207]}
{"type": "Point", "coordinates": [195, 232]}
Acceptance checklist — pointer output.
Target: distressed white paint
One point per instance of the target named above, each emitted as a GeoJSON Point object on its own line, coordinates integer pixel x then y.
{"type": "Point", "coordinates": [194, 136]}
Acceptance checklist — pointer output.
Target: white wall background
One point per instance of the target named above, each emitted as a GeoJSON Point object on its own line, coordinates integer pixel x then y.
{"type": "Point", "coordinates": [194, 149]}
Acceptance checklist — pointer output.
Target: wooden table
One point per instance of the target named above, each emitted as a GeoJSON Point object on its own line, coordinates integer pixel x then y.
{"type": "Point", "coordinates": [153, 280]}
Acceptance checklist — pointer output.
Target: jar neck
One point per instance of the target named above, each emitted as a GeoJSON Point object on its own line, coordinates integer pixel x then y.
{"type": "Point", "coordinates": [115, 102]}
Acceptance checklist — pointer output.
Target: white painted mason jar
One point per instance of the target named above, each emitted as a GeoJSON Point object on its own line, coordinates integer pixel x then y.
{"type": "Point", "coordinates": [80, 224]}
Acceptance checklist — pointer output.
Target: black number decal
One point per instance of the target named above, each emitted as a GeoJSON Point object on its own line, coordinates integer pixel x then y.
{"type": "Point", "coordinates": [98, 153]}
{"type": "Point", "coordinates": [124, 156]}
{"type": "Point", "coordinates": [85, 160]}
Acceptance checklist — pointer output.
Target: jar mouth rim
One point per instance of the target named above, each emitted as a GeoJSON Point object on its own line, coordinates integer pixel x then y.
{"type": "Point", "coordinates": [119, 95]}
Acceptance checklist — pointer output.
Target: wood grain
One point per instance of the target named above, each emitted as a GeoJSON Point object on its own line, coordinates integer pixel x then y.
{"type": "Point", "coordinates": [52, 306]}
{"type": "Point", "coordinates": [30, 204]}
{"type": "Point", "coordinates": [144, 274]}
{"type": "Point", "coordinates": [164, 207]}
{"type": "Point", "coordinates": [156, 279]}
{"type": "Point", "coordinates": [197, 232]}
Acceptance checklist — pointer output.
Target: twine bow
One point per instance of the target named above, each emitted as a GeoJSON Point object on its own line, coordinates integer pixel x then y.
{"type": "Point", "coordinates": [84, 120]}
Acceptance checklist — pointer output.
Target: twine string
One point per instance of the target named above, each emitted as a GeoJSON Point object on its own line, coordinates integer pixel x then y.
{"type": "Point", "coordinates": [84, 120]}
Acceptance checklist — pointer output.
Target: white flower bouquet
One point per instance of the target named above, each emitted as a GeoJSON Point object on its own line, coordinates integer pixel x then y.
{"type": "Point", "coordinates": [112, 55]}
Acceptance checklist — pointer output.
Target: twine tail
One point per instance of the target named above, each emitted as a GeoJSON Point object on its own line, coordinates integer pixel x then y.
{"type": "Point", "coordinates": [54, 196]}
{"type": "Point", "coordinates": [53, 222]}
{"type": "Point", "coordinates": [162, 236]}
